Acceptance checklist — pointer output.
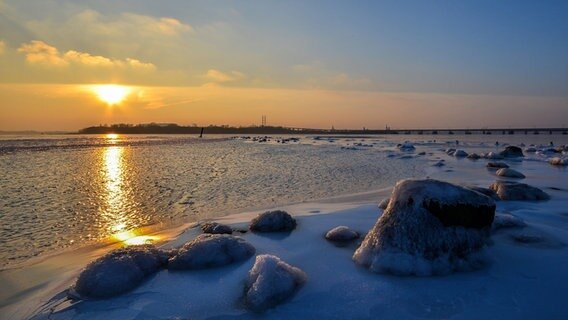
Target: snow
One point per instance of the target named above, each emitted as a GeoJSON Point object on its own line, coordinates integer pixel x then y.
{"type": "Point", "coordinates": [270, 282]}
{"type": "Point", "coordinates": [273, 221]}
{"type": "Point", "coordinates": [209, 251]}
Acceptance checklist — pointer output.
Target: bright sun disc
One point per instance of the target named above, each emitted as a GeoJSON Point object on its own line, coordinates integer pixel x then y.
{"type": "Point", "coordinates": [111, 93]}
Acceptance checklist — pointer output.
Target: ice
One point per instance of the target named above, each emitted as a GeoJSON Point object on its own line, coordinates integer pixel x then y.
{"type": "Point", "coordinates": [118, 271]}
{"type": "Point", "coordinates": [209, 251]}
{"type": "Point", "coordinates": [270, 282]}
{"type": "Point", "coordinates": [460, 154]}
{"type": "Point", "coordinates": [430, 227]}
{"type": "Point", "coordinates": [273, 221]}
{"type": "Point", "coordinates": [507, 221]}
{"type": "Point", "coordinates": [557, 161]}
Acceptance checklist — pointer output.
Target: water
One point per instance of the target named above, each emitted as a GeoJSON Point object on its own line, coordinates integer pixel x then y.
{"type": "Point", "coordinates": [67, 191]}
{"type": "Point", "coordinates": [60, 192]}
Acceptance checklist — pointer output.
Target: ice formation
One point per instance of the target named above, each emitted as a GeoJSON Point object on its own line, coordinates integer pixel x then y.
{"type": "Point", "coordinates": [510, 173]}
{"type": "Point", "coordinates": [270, 282]}
{"type": "Point", "coordinates": [507, 190]}
{"type": "Point", "coordinates": [341, 233]}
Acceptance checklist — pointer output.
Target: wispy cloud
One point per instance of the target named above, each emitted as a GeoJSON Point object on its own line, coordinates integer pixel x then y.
{"type": "Point", "coordinates": [39, 52]}
{"type": "Point", "coordinates": [219, 76]}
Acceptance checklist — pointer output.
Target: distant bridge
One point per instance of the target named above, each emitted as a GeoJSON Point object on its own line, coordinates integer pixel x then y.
{"type": "Point", "coordinates": [434, 131]}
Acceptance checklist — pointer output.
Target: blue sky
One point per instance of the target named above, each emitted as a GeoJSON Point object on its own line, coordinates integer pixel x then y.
{"type": "Point", "coordinates": [474, 48]}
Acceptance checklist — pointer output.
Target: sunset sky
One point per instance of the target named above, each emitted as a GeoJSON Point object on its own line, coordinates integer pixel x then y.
{"type": "Point", "coordinates": [348, 64]}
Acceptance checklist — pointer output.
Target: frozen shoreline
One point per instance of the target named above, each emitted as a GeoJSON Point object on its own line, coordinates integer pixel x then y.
{"type": "Point", "coordinates": [524, 280]}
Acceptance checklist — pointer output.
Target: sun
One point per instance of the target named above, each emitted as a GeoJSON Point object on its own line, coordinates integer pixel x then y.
{"type": "Point", "coordinates": [111, 94]}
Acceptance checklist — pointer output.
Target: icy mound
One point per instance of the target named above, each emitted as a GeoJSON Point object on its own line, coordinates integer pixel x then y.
{"type": "Point", "coordinates": [510, 173]}
{"type": "Point", "coordinates": [341, 233]}
{"type": "Point", "coordinates": [216, 228]}
{"type": "Point", "coordinates": [406, 146]}
{"type": "Point", "coordinates": [557, 161]}
{"type": "Point", "coordinates": [507, 221]}
{"type": "Point", "coordinates": [118, 271]}
{"type": "Point", "coordinates": [210, 251]}
{"type": "Point", "coordinates": [507, 190]}
{"type": "Point", "coordinates": [273, 221]}
{"type": "Point", "coordinates": [430, 227]}
{"type": "Point", "coordinates": [512, 152]}
{"type": "Point", "coordinates": [473, 156]}
{"type": "Point", "coordinates": [492, 155]}
{"type": "Point", "coordinates": [270, 282]}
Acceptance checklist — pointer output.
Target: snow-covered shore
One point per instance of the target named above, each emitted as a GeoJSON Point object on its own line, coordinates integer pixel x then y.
{"type": "Point", "coordinates": [525, 277]}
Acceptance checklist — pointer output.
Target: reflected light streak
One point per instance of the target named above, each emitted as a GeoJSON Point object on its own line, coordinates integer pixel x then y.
{"type": "Point", "coordinates": [117, 198]}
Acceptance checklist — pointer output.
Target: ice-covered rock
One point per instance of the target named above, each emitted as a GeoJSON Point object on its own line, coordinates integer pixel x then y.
{"type": "Point", "coordinates": [492, 155]}
{"type": "Point", "coordinates": [512, 152]}
{"type": "Point", "coordinates": [557, 161]}
{"type": "Point", "coordinates": [507, 221]}
{"type": "Point", "coordinates": [450, 151]}
{"type": "Point", "coordinates": [270, 282]}
{"type": "Point", "coordinates": [497, 165]}
{"type": "Point", "coordinates": [530, 150]}
{"type": "Point", "coordinates": [473, 156]}
{"type": "Point", "coordinates": [118, 271]}
{"type": "Point", "coordinates": [509, 173]}
{"type": "Point", "coordinates": [406, 146]}
{"type": "Point", "coordinates": [273, 221]}
{"type": "Point", "coordinates": [507, 190]}
{"type": "Point", "coordinates": [439, 164]}
{"type": "Point", "coordinates": [209, 251]}
{"type": "Point", "coordinates": [216, 228]}
{"type": "Point", "coordinates": [341, 233]}
{"type": "Point", "coordinates": [460, 154]}
{"type": "Point", "coordinates": [430, 227]}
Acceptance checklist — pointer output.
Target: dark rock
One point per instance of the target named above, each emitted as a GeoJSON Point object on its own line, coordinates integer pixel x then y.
{"type": "Point", "coordinates": [497, 165]}
{"type": "Point", "coordinates": [118, 271]}
{"type": "Point", "coordinates": [430, 227]}
{"type": "Point", "coordinates": [507, 190]}
{"type": "Point", "coordinates": [509, 173]}
{"type": "Point", "coordinates": [210, 251]}
{"type": "Point", "coordinates": [473, 156]}
{"type": "Point", "coordinates": [273, 221]}
{"type": "Point", "coordinates": [341, 233]}
{"type": "Point", "coordinates": [512, 152]}
{"type": "Point", "coordinates": [216, 228]}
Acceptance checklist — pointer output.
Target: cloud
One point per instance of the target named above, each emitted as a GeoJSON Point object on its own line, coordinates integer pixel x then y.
{"type": "Point", "coordinates": [219, 76]}
{"type": "Point", "coordinates": [39, 52]}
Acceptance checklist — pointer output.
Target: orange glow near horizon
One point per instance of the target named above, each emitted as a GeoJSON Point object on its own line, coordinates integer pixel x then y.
{"type": "Point", "coordinates": [111, 94]}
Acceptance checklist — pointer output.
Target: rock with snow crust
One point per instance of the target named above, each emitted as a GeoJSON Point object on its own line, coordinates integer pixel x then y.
{"type": "Point", "coordinates": [430, 227]}
{"type": "Point", "coordinates": [210, 251]}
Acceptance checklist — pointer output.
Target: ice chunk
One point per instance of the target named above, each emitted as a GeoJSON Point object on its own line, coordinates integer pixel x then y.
{"type": "Point", "coordinates": [270, 282]}
{"type": "Point", "coordinates": [273, 221]}
{"type": "Point", "coordinates": [211, 250]}
{"type": "Point", "coordinates": [118, 271]}
{"type": "Point", "coordinates": [507, 221]}
{"type": "Point", "coordinates": [460, 154]}
{"type": "Point", "coordinates": [430, 227]}
{"type": "Point", "coordinates": [341, 233]}
{"type": "Point", "coordinates": [557, 161]}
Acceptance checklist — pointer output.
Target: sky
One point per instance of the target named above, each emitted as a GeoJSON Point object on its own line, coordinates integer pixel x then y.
{"type": "Point", "coordinates": [347, 64]}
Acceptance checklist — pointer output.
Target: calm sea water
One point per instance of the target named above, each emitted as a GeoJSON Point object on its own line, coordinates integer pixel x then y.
{"type": "Point", "coordinates": [59, 192]}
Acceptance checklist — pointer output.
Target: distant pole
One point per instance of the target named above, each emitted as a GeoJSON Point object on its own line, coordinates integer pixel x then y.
{"type": "Point", "coordinates": [201, 135]}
